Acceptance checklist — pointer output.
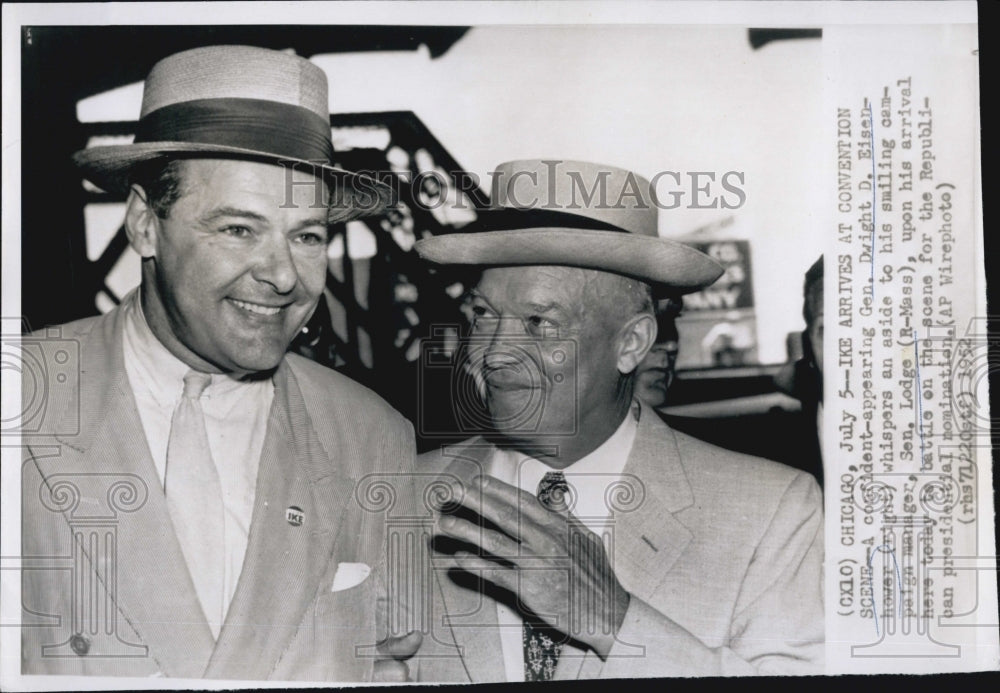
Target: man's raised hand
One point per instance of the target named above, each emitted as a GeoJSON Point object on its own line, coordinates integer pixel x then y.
{"type": "Point", "coordinates": [557, 568]}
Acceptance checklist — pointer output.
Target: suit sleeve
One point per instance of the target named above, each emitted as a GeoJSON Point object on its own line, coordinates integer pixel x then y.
{"type": "Point", "coordinates": [777, 623]}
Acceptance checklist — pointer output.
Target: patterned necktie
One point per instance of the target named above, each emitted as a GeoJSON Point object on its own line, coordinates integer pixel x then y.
{"type": "Point", "coordinates": [542, 644]}
{"type": "Point", "coordinates": [194, 499]}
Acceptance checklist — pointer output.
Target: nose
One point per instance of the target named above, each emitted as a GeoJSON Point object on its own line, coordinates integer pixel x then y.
{"type": "Point", "coordinates": [499, 330]}
{"type": "Point", "coordinates": [507, 326]}
{"type": "Point", "coordinates": [275, 265]}
{"type": "Point", "coordinates": [506, 343]}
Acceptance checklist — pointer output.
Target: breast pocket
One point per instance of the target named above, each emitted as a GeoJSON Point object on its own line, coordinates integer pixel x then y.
{"type": "Point", "coordinates": [345, 625]}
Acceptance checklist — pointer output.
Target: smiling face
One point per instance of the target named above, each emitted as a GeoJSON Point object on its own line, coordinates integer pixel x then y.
{"type": "Point", "coordinates": [552, 358]}
{"type": "Point", "coordinates": [236, 268]}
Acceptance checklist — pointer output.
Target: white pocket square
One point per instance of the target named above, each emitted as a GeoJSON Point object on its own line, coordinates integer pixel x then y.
{"type": "Point", "coordinates": [349, 574]}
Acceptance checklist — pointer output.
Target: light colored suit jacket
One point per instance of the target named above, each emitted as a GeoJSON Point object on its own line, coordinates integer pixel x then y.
{"type": "Point", "coordinates": [721, 552]}
{"type": "Point", "coordinates": [106, 590]}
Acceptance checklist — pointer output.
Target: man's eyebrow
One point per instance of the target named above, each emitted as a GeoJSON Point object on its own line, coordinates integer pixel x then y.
{"type": "Point", "coordinates": [221, 212]}
{"type": "Point", "coordinates": [229, 212]}
{"type": "Point", "coordinates": [323, 221]}
{"type": "Point", "coordinates": [543, 307]}
{"type": "Point", "coordinates": [550, 307]}
{"type": "Point", "coordinates": [477, 294]}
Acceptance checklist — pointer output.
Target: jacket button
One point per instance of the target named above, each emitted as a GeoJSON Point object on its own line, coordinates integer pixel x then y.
{"type": "Point", "coordinates": [80, 644]}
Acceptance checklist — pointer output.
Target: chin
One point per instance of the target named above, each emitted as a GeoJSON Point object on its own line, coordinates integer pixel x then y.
{"type": "Point", "coordinates": [514, 414]}
{"type": "Point", "coordinates": [257, 363]}
{"type": "Point", "coordinates": [258, 354]}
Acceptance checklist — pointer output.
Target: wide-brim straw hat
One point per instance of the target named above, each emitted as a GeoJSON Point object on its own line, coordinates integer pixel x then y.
{"type": "Point", "coordinates": [580, 214]}
{"type": "Point", "coordinates": [240, 102]}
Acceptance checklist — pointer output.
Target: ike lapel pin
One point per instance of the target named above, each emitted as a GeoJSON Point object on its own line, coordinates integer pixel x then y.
{"type": "Point", "coordinates": [295, 516]}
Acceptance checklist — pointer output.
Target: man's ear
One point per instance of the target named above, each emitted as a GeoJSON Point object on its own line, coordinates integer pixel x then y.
{"type": "Point", "coordinates": [141, 223]}
{"type": "Point", "coordinates": [635, 340]}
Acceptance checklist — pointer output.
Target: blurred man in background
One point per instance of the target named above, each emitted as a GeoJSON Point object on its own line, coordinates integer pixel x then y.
{"type": "Point", "coordinates": [657, 370]}
{"type": "Point", "coordinates": [812, 338]}
{"type": "Point", "coordinates": [803, 379]}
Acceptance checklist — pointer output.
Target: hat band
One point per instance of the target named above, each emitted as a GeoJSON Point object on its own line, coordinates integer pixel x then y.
{"type": "Point", "coordinates": [519, 218]}
{"type": "Point", "coordinates": [269, 126]}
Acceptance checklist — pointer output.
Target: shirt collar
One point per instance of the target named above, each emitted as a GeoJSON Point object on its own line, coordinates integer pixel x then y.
{"type": "Point", "coordinates": [157, 371]}
{"type": "Point", "coordinates": [589, 475]}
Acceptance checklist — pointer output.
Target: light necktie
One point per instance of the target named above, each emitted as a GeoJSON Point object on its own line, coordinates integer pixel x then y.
{"type": "Point", "coordinates": [542, 644]}
{"type": "Point", "coordinates": [194, 498]}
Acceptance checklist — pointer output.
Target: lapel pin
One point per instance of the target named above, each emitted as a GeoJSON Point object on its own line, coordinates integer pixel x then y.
{"type": "Point", "coordinates": [295, 516]}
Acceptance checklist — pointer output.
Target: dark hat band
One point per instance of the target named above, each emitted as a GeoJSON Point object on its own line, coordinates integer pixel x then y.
{"type": "Point", "coordinates": [256, 124]}
{"type": "Point", "coordinates": [514, 218]}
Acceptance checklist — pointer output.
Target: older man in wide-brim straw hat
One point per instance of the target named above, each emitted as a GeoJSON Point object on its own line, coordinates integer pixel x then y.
{"type": "Point", "coordinates": [607, 544]}
{"type": "Point", "coordinates": [222, 468]}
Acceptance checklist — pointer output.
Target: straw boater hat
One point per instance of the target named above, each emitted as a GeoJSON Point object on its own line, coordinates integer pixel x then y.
{"type": "Point", "coordinates": [578, 214]}
{"type": "Point", "coordinates": [235, 102]}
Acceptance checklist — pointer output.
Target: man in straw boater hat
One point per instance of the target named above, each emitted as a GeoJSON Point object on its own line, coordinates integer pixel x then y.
{"type": "Point", "coordinates": [582, 537]}
{"type": "Point", "coordinates": [201, 479]}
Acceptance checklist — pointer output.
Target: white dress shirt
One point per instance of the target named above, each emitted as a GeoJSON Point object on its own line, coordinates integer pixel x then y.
{"type": "Point", "coordinates": [589, 479]}
{"type": "Point", "coordinates": [236, 415]}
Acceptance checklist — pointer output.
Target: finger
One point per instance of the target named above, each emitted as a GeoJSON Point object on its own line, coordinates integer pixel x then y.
{"type": "Point", "coordinates": [390, 671]}
{"type": "Point", "coordinates": [489, 570]}
{"type": "Point", "coordinates": [496, 491]}
{"type": "Point", "coordinates": [401, 647]}
{"type": "Point", "coordinates": [488, 540]}
{"type": "Point", "coordinates": [506, 506]}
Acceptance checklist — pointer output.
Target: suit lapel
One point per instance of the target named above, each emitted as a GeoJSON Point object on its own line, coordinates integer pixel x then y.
{"type": "Point", "coordinates": [470, 614]}
{"type": "Point", "coordinates": [648, 539]}
{"type": "Point", "coordinates": [109, 462]}
{"type": "Point", "coordinates": [284, 562]}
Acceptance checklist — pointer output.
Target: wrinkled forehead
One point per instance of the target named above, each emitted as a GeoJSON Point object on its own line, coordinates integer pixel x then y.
{"type": "Point", "coordinates": [287, 185]}
{"type": "Point", "coordinates": [533, 285]}
{"type": "Point", "coordinates": [577, 299]}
